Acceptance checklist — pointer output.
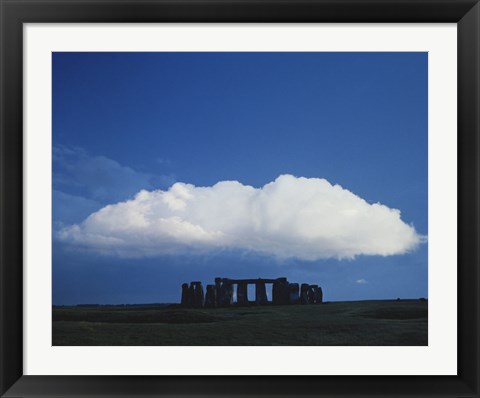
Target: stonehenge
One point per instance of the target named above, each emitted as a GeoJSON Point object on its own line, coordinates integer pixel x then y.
{"type": "Point", "coordinates": [224, 294]}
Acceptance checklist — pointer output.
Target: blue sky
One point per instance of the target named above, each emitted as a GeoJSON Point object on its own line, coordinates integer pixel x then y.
{"type": "Point", "coordinates": [126, 122]}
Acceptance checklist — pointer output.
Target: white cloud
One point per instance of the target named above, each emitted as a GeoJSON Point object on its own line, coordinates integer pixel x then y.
{"type": "Point", "coordinates": [305, 218]}
{"type": "Point", "coordinates": [361, 281]}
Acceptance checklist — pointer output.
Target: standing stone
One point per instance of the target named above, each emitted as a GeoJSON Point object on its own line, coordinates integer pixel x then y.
{"type": "Point", "coordinates": [260, 293]}
{"type": "Point", "coordinates": [242, 294]}
{"type": "Point", "coordinates": [221, 297]}
{"type": "Point", "coordinates": [199, 297]}
{"type": "Point", "coordinates": [275, 289]}
{"type": "Point", "coordinates": [319, 299]}
{"type": "Point", "coordinates": [211, 297]}
{"type": "Point", "coordinates": [191, 295]}
{"type": "Point", "coordinates": [304, 293]}
{"type": "Point", "coordinates": [185, 301]}
{"type": "Point", "coordinates": [315, 295]}
{"type": "Point", "coordinates": [294, 296]}
{"type": "Point", "coordinates": [226, 294]}
{"type": "Point", "coordinates": [311, 294]}
{"type": "Point", "coordinates": [218, 292]}
{"type": "Point", "coordinates": [229, 294]}
{"type": "Point", "coordinates": [280, 291]}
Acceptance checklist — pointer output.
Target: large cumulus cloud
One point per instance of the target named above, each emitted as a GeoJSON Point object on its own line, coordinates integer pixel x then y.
{"type": "Point", "coordinates": [305, 218]}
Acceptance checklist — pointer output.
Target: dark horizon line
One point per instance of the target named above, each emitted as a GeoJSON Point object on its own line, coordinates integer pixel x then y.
{"type": "Point", "coordinates": [176, 303]}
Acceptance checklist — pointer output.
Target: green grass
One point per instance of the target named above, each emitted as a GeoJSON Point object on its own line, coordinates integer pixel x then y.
{"type": "Point", "coordinates": [341, 323]}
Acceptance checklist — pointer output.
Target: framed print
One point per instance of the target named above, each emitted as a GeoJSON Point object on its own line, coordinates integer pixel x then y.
{"type": "Point", "coordinates": [253, 192]}
{"type": "Point", "coordinates": [356, 274]}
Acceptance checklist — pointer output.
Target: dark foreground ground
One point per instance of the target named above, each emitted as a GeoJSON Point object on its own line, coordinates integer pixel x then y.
{"type": "Point", "coordinates": [340, 323]}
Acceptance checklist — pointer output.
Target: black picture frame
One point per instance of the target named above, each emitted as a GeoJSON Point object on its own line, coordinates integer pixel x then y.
{"type": "Point", "coordinates": [465, 13]}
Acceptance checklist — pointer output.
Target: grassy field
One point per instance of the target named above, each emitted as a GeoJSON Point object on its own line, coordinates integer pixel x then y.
{"type": "Point", "coordinates": [385, 322]}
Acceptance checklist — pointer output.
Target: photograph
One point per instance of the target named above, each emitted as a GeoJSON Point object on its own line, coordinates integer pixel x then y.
{"type": "Point", "coordinates": [239, 199]}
